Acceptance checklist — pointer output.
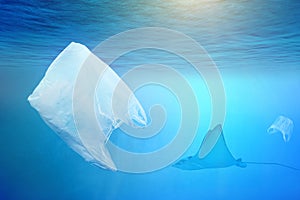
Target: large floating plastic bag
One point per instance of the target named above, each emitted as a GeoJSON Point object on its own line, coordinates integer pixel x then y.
{"type": "Point", "coordinates": [283, 125]}
{"type": "Point", "coordinates": [53, 99]}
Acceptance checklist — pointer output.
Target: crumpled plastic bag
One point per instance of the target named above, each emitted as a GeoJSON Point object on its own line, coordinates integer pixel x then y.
{"type": "Point", "coordinates": [53, 99]}
{"type": "Point", "coordinates": [282, 125]}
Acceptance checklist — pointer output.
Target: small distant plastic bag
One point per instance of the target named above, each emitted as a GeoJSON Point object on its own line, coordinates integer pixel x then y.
{"type": "Point", "coordinates": [53, 99]}
{"type": "Point", "coordinates": [283, 125]}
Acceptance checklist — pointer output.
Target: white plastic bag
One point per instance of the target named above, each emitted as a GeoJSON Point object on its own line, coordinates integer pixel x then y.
{"type": "Point", "coordinates": [283, 125]}
{"type": "Point", "coordinates": [53, 99]}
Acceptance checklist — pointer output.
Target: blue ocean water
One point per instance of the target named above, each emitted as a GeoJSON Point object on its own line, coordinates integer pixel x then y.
{"type": "Point", "coordinates": [256, 46]}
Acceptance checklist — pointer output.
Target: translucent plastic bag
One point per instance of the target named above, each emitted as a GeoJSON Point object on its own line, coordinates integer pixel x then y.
{"type": "Point", "coordinates": [53, 99]}
{"type": "Point", "coordinates": [283, 125]}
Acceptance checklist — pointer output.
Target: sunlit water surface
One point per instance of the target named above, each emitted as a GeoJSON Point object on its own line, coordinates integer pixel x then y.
{"type": "Point", "coordinates": [256, 46]}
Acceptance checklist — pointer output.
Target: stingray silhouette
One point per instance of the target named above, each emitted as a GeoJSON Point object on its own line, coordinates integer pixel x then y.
{"type": "Point", "coordinates": [214, 153]}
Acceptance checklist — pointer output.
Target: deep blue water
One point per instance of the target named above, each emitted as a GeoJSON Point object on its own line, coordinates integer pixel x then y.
{"type": "Point", "coordinates": [256, 46]}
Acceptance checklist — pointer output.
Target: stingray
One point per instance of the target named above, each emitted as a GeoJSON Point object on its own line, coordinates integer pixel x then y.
{"type": "Point", "coordinates": [214, 153]}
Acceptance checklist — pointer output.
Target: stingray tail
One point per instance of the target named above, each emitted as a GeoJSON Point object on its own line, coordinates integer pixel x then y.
{"type": "Point", "coordinates": [273, 163]}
